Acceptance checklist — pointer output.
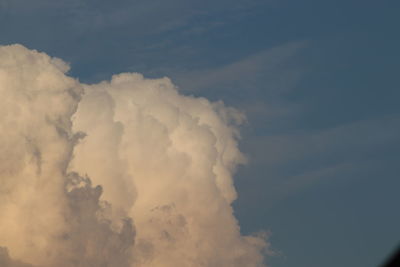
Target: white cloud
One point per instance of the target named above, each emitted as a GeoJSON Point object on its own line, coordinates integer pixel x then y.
{"type": "Point", "coordinates": [126, 172]}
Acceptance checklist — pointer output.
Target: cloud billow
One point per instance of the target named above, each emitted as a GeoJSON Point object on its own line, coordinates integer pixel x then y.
{"type": "Point", "coordinates": [126, 172]}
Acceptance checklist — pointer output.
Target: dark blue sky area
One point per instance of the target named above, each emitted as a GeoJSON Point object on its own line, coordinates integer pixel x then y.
{"type": "Point", "coordinates": [318, 80]}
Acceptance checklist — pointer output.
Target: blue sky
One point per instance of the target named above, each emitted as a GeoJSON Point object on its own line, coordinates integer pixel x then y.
{"type": "Point", "coordinates": [318, 81]}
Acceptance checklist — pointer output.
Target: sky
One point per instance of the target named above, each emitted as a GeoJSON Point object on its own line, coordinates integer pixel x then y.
{"type": "Point", "coordinates": [317, 80]}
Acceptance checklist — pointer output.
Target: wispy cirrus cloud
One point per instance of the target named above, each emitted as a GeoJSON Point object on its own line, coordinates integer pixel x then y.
{"type": "Point", "coordinates": [267, 66]}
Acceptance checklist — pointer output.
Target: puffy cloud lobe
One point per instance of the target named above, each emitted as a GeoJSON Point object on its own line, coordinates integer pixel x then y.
{"type": "Point", "coordinates": [41, 222]}
{"type": "Point", "coordinates": [37, 103]}
{"type": "Point", "coordinates": [126, 172]}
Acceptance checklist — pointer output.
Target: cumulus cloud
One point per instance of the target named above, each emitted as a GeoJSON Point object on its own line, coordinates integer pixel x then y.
{"type": "Point", "coordinates": [126, 172]}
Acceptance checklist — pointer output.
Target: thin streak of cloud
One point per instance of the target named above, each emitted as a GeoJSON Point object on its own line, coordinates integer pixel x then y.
{"type": "Point", "coordinates": [244, 71]}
